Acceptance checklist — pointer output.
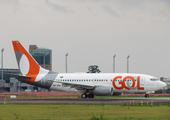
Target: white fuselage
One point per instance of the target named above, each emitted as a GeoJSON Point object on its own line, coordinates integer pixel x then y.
{"type": "Point", "coordinates": [121, 82]}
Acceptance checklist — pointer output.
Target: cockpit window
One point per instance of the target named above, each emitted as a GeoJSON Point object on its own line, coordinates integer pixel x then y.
{"type": "Point", "coordinates": [154, 79]}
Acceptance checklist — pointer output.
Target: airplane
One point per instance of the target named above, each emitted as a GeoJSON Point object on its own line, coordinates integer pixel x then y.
{"type": "Point", "coordinates": [89, 84]}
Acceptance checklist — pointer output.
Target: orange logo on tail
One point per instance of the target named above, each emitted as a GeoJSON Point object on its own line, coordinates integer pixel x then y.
{"type": "Point", "coordinates": [33, 65]}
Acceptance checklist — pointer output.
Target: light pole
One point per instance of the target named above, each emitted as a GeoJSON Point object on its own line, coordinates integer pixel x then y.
{"type": "Point", "coordinates": [2, 63]}
{"type": "Point", "coordinates": [66, 61]}
{"type": "Point", "coordinates": [128, 63]}
{"type": "Point", "coordinates": [114, 63]}
{"type": "Point", "coordinates": [44, 61]}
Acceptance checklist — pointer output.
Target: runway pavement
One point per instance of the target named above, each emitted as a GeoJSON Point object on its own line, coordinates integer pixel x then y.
{"type": "Point", "coordinates": [90, 100]}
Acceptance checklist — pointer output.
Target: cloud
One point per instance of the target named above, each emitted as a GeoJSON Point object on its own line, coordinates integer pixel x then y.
{"type": "Point", "coordinates": [57, 7]}
{"type": "Point", "coordinates": [10, 2]}
{"type": "Point", "coordinates": [158, 8]}
{"type": "Point", "coordinates": [13, 4]}
{"type": "Point", "coordinates": [111, 11]}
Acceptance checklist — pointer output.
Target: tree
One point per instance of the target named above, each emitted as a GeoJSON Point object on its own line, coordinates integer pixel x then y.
{"type": "Point", "coordinates": [93, 69]}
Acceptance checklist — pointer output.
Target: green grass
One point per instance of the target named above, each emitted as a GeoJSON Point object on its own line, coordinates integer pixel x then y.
{"type": "Point", "coordinates": [83, 112]}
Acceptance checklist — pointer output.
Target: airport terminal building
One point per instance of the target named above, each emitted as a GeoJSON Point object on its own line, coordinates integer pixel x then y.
{"type": "Point", "coordinates": [42, 55]}
{"type": "Point", "coordinates": [12, 84]}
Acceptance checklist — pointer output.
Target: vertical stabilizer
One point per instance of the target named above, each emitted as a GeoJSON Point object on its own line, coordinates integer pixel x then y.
{"type": "Point", "coordinates": [27, 64]}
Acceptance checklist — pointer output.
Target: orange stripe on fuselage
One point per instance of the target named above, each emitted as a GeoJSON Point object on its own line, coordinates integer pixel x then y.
{"type": "Point", "coordinates": [34, 67]}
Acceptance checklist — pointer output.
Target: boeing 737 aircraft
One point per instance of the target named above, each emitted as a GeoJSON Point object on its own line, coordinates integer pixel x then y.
{"type": "Point", "coordinates": [89, 84]}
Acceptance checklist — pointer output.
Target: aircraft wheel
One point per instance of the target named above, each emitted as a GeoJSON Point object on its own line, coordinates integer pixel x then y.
{"type": "Point", "coordinates": [146, 95]}
{"type": "Point", "coordinates": [84, 95]}
{"type": "Point", "coordinates": [91, 95]}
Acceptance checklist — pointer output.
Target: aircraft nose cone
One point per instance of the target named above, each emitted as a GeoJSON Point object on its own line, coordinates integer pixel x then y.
{"type": "Point", "coordinates": [162, 85]}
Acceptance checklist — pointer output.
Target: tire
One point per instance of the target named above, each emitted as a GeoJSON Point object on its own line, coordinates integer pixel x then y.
{"type": "Point", "coordinates": [91, 95]}
{"type": "Point", "coordinates": [84, 95]}
{"type": "Point", "coordinates": [146, 96]}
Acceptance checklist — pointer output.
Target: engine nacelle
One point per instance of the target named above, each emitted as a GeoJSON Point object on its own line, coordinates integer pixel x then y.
{"type": "Point", "coordinates": [103, 90]}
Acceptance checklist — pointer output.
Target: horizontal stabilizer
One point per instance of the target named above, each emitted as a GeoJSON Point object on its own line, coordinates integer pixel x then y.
{"type": "Point", "coordinates": [18, 76]}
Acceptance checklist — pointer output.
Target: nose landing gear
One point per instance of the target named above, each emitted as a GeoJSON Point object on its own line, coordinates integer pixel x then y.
{"type": "Point", "coordinates": [146, 96]}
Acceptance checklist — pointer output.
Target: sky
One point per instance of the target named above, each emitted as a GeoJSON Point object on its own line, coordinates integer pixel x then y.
{"type": "Point", "coordinates": [91, 32]}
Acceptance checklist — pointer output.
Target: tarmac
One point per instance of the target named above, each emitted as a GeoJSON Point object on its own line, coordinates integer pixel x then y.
{"type": "Point", "coordinates": [91, 100]}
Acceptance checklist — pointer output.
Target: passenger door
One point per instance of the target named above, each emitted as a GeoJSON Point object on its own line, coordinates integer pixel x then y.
{"type": "Point", "coordinates": [142, 81]}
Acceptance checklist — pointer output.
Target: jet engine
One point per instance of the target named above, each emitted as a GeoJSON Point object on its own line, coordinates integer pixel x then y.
{"type": "Point", "coordinates": [103, 90]}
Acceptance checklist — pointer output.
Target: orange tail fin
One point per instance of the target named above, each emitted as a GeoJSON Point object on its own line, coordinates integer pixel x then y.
{"type": "Point", "coordinates": [27, 64]}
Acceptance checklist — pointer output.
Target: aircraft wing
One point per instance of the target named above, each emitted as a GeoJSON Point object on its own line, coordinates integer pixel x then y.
{"type": "Point", "coordinates": [78, 86]}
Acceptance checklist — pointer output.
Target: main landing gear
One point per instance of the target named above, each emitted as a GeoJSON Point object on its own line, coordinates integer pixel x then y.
{"type": "Point", "coordinates": [85, 95]}
{"type": "Point", "coordinates": [146, 95]}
